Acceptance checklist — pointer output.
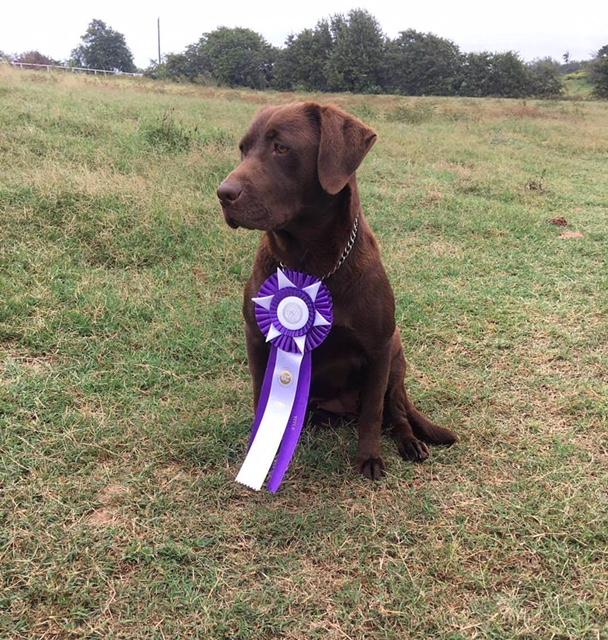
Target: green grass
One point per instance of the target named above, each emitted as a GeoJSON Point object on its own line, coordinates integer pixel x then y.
{"type": "Point", "coordinates": [578, 85]}
{"type": "Point", "coordinates": [125, 398]}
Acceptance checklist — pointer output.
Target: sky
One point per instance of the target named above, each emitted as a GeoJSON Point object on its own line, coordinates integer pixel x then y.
{"type": "Point", "coordinates": [534, 28]}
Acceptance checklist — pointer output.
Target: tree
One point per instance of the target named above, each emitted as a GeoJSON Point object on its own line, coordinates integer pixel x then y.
{"type": "Point", "coordinates": [302, 64]}
{"type": "Point", "coordinates": [495, 74]}
{"type": "Point", "coordinates": [349, 52]}
{"type": "Point", "coordinates": [422, 64]}
{"type": "Point", "coordinates": [544, 78]}
{"type": "Point", "coordinates": [571, 66]}
{"type": "Point", "coordinates": [477, 71]}
{"type": "Point", "coordinates": [103, 48]}
{"type": "Point", "coordinates": [238, 57]}
{"type": "Point", "coordinates": [191, 65]}
{"type": "Point", "coordinates": [599, 73]}
{"type": "Point", "coordinates": [234, 57]}
{"type": "Point", "coordinates": [357, 55]}
{"type": "Point", "coordinates": [509, 78]}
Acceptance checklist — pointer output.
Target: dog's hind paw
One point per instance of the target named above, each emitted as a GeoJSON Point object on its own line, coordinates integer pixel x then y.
{"type": "Point", "coordinates": [412, 449]}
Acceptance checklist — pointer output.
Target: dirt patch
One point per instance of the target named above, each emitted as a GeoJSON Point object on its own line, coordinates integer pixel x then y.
{"type": "Point", "coordinates": [199, 274]}
{"type": "Point", "coordinates": [112, 494]}
{"type": "Point", "coordinates": [560, 221]}
{"type": "Point", "coordinates": [571, 234]}
{"type": "Point", "coordinates": [441, 248]}
{"type": "Point", "coordinates": [170, 472]}
{"type": "Point", "coordinates": [102, 518]}
{"type": "Point", "coordinates": [433, 196]}
{"type": "Point", "coordinates": [108, 514]}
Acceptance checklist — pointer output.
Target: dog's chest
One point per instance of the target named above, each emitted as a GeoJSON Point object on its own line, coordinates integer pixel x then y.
{"type": "Point", "coordinates": [337, 364]}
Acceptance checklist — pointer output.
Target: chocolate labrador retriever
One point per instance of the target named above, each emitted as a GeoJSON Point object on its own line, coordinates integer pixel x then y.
{"type": "Point", "coordinates": [296, 182]}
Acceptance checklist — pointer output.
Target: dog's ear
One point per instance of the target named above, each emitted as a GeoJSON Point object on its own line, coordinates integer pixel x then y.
{"type": "Point", "coordinates": [344, 142]}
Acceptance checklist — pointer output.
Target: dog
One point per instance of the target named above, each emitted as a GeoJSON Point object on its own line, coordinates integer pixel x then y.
{"type": "Point", "coordinates": [296, 182]}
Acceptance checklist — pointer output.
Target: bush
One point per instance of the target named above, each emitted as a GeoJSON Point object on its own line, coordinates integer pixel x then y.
{"type": "Point", "coordinates": [599, 73]}
{"type": "Point", "coordinates": [168, 135]}
{"type": "Point", "coordinates": [165, 134]}
{"type": "Point", "coordinates": [34, 57]}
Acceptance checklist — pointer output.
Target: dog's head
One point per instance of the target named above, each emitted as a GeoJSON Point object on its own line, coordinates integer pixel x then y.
{"type": "Point", "coordinates": [292, 157]}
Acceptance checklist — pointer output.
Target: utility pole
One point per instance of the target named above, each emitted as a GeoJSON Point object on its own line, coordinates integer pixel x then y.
{"type": "Point", "coordinates": [158, 31]}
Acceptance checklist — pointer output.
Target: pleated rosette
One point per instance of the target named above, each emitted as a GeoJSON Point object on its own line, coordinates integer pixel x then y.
{"type": "Point", "coordinates": [294, 311]}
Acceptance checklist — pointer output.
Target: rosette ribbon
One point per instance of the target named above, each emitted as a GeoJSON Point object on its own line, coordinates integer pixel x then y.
{"type": "Point", "coordinates": [294, 311]}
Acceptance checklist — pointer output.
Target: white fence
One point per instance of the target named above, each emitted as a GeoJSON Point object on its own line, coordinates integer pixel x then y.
{"type": "Point", "coordinates": [48, 67]}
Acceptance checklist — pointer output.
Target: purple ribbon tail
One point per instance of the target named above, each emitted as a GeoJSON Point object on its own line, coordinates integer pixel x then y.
{"type": "Point", "coordinates": [296, 422]}
{"type": "Point", "coordinates": [264, 393]}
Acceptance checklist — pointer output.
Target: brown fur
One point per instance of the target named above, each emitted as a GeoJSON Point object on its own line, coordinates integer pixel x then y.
{"type": "Point", "coordinates": [296, 182]}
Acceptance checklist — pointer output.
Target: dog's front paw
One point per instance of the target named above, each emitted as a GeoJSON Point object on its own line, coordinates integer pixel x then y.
{"type": "Point", "coordinates": [372, 468]}
{"type": "Point", "coordinates": [412, 449]}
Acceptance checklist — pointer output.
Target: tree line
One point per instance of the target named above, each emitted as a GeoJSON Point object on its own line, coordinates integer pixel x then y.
{"type": "Point", "coordinates": [351, 53]}
{"type": "Point", "coordinates": [343, 53]}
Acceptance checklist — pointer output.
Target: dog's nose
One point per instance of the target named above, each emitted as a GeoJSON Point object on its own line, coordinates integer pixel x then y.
{"type": "Point", "coordinates": [229, 191]}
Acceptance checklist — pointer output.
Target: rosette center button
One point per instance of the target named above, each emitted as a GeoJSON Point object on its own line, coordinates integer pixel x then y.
{"type": "Point", "coordinates": [292, 313]}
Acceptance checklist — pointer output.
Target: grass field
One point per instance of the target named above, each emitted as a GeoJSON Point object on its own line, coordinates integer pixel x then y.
{"type": "Point", "coordinates": [125, 397]}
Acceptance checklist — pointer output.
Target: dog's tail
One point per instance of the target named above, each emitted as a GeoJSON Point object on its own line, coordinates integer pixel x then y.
{"type": "Point", "coordinates": [426, 430]}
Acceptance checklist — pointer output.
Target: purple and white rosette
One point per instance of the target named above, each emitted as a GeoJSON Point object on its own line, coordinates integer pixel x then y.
{"type": "Point", "coordinates": [294, 312]}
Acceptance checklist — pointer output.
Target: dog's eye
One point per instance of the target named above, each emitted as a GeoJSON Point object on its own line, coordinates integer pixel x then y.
{"type": "Point", "coordinates": [280, 149]}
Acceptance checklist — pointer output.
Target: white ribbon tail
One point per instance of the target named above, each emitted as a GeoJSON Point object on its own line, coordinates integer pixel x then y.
{"type": "Point", "coordinates": [273, 424]}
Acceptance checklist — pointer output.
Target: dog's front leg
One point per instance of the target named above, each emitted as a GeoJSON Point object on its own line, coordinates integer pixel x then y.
{"type": "Point", "coordinates": [257, 356]}
{"type": "Point", "coordinates": [375, 380]}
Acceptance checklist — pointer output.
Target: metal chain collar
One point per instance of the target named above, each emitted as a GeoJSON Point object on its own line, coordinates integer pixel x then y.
{"type": "Point", "coordinates": [347, 249]}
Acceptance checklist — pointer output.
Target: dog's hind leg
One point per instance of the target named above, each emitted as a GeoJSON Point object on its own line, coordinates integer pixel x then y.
{"type": "Point", "coordinates": [411, 429]}
{"type": "Point", "coordinates": [428, 431]}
